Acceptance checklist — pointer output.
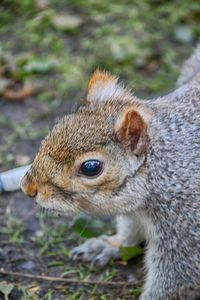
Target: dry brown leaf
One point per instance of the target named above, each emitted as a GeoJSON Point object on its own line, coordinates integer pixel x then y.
{"type": "Point", "coordinates": [21, 94]}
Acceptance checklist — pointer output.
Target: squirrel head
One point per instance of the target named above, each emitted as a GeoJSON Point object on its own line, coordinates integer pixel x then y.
{"type": "Point", "coordinates": [91, 159]}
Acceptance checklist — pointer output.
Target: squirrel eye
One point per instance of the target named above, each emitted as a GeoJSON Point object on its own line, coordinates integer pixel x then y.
{"type": "Point", "coordinates": [91, 168]}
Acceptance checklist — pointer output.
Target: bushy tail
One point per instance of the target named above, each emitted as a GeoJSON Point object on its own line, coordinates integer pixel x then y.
{"type": "Point", "coordinates": [10, 180]}
{"type": "Point", "coordinates": [190, 68]}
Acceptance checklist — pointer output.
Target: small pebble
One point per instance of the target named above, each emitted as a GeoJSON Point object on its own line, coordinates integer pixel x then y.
{"type": "Point", "coordinates": [29, 265]}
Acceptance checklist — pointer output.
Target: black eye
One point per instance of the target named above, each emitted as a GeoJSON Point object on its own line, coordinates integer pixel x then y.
{"type": "Point", "coordinates": [91, 168]}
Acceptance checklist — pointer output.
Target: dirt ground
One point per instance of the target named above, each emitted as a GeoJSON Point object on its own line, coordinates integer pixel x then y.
{"type": "Point", "coordinates": [145, 42]}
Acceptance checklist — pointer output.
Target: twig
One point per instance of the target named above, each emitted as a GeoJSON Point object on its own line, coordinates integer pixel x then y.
{"type": "Point", "coordinates": [60, 279]}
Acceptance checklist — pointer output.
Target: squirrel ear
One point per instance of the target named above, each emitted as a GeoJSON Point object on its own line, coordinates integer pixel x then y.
{"type": "Point", "coordinates": [103, 86]}
{"type": "Point", "coordinates": [131, 130]}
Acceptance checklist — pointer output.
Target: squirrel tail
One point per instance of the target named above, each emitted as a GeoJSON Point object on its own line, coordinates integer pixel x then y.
{"type": "Point", "coordinates": [190, 68]}
{"type": "Point", "coordinates": [10, 180]}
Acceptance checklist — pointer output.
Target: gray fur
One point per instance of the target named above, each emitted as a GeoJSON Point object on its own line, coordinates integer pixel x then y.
{"type": "Point", "coordinates": [190, 68]}
{"type": "Point", "coordinates": [172, 192]}
{"type": "Point", "coordinates": [154, 183]}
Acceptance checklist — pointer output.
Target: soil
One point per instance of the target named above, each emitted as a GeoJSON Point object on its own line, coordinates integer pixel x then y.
{"type": "Point", "coordinates": [145, 42]}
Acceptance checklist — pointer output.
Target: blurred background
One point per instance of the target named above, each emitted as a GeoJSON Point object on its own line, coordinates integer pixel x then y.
{"type": "Point", "coordinates": [48, 50]}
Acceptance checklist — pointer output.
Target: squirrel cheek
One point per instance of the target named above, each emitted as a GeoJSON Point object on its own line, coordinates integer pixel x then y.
{"type": "Point", "coordinates": [45, 193]}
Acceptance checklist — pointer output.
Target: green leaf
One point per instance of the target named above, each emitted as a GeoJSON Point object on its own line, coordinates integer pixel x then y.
{"type": "Point", "coordinates": [6, 289]}
{"type": "Point", "coordinates": [88, 227]}
{"type": "Point", "coordinates": [137, 291]}
{"type": "Point", "coordinates": [128, 252]}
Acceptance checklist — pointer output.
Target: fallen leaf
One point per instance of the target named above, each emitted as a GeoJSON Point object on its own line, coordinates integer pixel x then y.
{"type": "Point", "coordinates": [4, 83]}
{"type": "Point", "coordinates": [184, 34]}
{"type": "Point", "coordinates": [19, 95]}
{"type": "Point", "coordinates": [40, 65]}
{"type": "Point", "coordinates": [34, 289]}
{"type": "Point", "coordinates": [6, 289]}
{"type": "Point", "coordinates": [41, 4]}
{"type": "Point", "coordinates": [66, 22]}
{"type": "Point", "coordinates": [122, 262]}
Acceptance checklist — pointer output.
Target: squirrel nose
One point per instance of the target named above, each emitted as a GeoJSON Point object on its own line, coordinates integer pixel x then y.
{"type": "Point", "coordinates": [29, 187]}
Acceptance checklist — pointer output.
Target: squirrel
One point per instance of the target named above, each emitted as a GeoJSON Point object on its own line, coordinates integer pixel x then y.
{"type": "Point", "coordinates": [138, 160]}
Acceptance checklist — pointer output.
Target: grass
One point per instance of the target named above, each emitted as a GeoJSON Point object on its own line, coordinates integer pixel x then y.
{"type": "Point", "coordinates": [143, 42]}
{"type": "Point", "coordinates": [14, 229]}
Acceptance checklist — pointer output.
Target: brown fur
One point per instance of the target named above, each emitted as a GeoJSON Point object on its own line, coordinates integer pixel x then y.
{"type": "Point", "coordinates": [149, 152]}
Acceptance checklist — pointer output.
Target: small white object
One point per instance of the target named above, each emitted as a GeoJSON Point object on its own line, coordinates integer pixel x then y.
{"type": "Point", "coordinates": [10, 180]}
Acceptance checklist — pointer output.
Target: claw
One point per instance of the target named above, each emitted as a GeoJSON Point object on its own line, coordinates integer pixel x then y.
{"type": "Point", "coordinates": [98, 251]}
{"type": "Point", "coordinates": [76, 255]}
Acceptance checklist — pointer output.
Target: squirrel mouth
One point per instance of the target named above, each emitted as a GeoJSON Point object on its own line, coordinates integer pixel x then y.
{"type": "Point", "coordinates": [47, 204]}
{"type": "Point", "coordinates": [52, 206]}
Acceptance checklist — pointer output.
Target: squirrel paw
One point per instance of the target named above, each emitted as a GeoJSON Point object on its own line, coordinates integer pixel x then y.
{"type": "Point", "coordinates": [98, 251]}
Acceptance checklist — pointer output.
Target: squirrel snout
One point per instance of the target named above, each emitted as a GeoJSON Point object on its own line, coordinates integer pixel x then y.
{"type": "Point", "coordinates": [29, 187]}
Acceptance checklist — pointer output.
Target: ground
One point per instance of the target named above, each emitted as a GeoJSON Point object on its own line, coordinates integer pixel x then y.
{"type": "Point", "coordinates": [48, 49]}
